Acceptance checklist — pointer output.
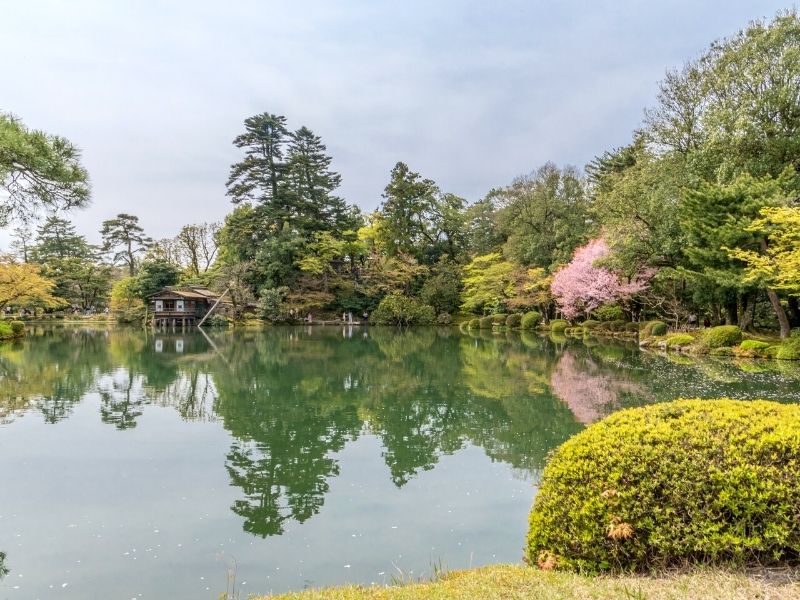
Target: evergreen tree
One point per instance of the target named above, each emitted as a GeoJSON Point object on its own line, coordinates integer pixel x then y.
{"type": "Point", "coordinates": [261, 176]}
{"type": "Point", "coordinates": [125, 238]}
{"type": "Point", "coordinates": [312, 183]}
{"type": "Point", "coordinates": [57, 238]}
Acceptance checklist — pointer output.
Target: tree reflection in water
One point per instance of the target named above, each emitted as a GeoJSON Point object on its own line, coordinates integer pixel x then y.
{"type": "Point", "coordinates": [292, 398]}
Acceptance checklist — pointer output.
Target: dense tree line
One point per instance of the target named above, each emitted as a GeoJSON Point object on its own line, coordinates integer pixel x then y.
{"type": "Point", "coordinates": [694, 220]}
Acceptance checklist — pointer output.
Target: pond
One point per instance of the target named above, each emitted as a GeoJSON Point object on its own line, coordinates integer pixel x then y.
{"type": "Point", "coordinates": [141, 465]}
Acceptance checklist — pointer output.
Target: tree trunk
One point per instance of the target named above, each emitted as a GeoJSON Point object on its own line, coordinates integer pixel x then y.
{"type": "Point", "coordinates": [746, 314]}
{"type": "Point", "coordinates": [780, 313]}
{"type": "Point", "coordinates": [731, 313]}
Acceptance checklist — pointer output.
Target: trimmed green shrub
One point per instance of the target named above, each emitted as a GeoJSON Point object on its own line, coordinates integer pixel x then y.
{"type": "Point", "coordinates": [722, 351]}
{"type": "Point", "coordinates": [486, 322]}
{"type": "Point", "coordinates": [617, 325]}
{"type": "Point", "coordinates": [444, 319]}
{"type": "Point", "coordinates": [590, 324]}
{"type": "Point", "coordinates": [18, 328]}
{"type": "Point", "coordinates": [632, 327]}
{"type": "Point", "coordinates": [753, 345]}
{"type": "Point", "coordinates": [723, 336]}
{"type": "Point", "coordinates": [531, 319]}
{"type": "Point", "coordinates": [514, 320]}
{"type": "Point", "coordinates": [397, 309]}
{"type": "Point", "coordinates": [651, 328]}
{"type": "Point", "coordinates": [609, 312]}
{"type": "Point", "coordinates": [679, 340]}
{"type": "Point", "coordinates": [690, 481]}
{"type": "Point", "coordinates": [789, 349]}
{"type": "Point", "coordinates": [474, 323]}
{"type": "Point", "coordinates": [499, 319]}
{"type": "Point", "coordinates": [558, 325]}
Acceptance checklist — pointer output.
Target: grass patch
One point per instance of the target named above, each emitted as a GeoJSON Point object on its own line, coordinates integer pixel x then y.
{"type": "Point", "coordinates": [509, 582]}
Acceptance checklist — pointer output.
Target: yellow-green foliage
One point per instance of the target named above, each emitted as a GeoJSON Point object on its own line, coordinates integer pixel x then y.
{"type": "Point", "coordinates": [11, 329]}
{"type": "Point", "coordinates": [514, 320]}
{"type": "Point", "coordinates": [789, 349]}
{"type": "Point", "coordinates": [474, 323]}
{"type": "Point", "coordinates": [723, 336]}
{"type": "Point", "coordinates": [679, 340]}
{"type": "Point", "coordinates": [558, 325]}
{"type": "Point", "coordinates": [752, 349]}
{"type": "Point", "coordinates": [754, 345]}
{"type": "Point", "coordinates": [531, 319]}
{"type": "Point", "coordinates": [590, 324]}
{"type": "Point", "coordinates": [697, 481]}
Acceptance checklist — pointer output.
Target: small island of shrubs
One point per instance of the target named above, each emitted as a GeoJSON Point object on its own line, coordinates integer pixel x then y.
{"type": "Point", "coordinates": [10, 330]}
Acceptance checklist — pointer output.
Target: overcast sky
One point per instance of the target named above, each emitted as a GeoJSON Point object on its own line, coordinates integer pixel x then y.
{"type": "Point", "coordinates": [469, 93]}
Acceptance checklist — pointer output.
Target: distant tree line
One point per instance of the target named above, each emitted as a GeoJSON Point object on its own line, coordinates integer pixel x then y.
{"type": "Point", "coordinates": [695, 220]}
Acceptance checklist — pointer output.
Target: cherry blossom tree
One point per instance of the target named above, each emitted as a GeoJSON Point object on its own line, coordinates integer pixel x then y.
{"type": "Point", "coordinates": [581, 286]}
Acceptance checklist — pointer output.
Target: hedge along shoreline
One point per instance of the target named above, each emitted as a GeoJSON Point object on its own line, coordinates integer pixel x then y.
{"type": "Point", "coordinates": [689, 481]}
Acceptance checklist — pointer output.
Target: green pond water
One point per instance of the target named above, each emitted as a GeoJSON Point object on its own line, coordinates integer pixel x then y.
{"type": "Point", "coordinates": [141, 465]}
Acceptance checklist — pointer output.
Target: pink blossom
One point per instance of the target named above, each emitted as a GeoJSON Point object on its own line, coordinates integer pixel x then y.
{"type": "Point", "coordinates": [580, 286]}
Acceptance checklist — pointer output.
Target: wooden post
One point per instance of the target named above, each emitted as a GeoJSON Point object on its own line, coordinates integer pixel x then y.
{"type": "Point", "coordinates": [211, 310]}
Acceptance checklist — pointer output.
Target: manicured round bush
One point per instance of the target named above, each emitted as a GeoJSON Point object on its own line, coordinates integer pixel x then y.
{"type": "Point", "coordinates": [689, 481]}
{"type": "Point", "coordinates": [486, 322]}
{"type": "Point", "coordinates": [631, 327]}
{"type": "Point", "coordinates": [18, 327]}
{"type": "Point", "coordinates": [679, 340]}
{"type": "Point", "coordinates": [531, 319]}
{"type": "Point", "coordinates": [789, 349]}
{"type": "Point", "coordinates": [474, 323]}
{"type": "Point", "coordinates": [397, 309]}
{"type": "Point", "coordinates": [590, 324]}
{"type": "Point", "coordinates": [499, 319]}
{"type": "Point", "coordinates": [514, 320]}
{"type": "Point", "coordinates": [558, 325]}
{"type": "Point", "coordinates": [444, 319]}
{"type": "Point", "coordinates": [651, 328]}
{"type": "Point", "coordinates": [754, 345]}
{"type": "Point", "coordinates": [723, 336]}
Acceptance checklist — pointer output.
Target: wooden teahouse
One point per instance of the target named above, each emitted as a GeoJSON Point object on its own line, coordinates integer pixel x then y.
{"type": "Point", "coordinates": [181, 306]}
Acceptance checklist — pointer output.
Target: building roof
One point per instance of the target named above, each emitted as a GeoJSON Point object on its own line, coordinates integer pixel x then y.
{"type": "Point", "coordinates": [186, 292]}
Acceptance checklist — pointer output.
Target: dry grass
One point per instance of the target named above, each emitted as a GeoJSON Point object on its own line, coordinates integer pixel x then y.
{"type": "Point", "coordinates": [508, 582]}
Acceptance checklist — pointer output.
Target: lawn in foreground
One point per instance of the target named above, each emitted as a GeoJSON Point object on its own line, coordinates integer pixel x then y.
{"type": "Point", "coordinates": [524, 583]}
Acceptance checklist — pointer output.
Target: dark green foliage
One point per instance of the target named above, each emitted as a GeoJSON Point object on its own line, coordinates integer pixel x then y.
{"type": "Point", "coordinates": [396, 309]}
{"type": "Point", "coordinates": [442, 290]}
{"type": "Point", "coordinates": [723, 336]}
{"type": "Point", "coordinates": [530, 320]}
{"type": "Point", "coordinates": [690, 481]}
{"type": "Point", "coordinates": [124, 238]}
{"type": "Point", "coordinates": [270, 304]}
{"type": "Point", "coordinates": [154, 276]}
{"type": "Point", "coordinates": [514, 320]}
{"type": "Point", "coordinates": [590, 324]}
{"type": "Point", "coordinates": [609, 312]}
{"type": "Point", "coordinates": [499, 319]}
{"type": "Point", "coordinates": [18, 328]}
{"type": "Point", "coordinates": [38, 171]}
{"type": "Point", "coordinates": [558, 325]}
{"type": "Point", "coordinates": [474, 323]}
{"type": "Point", "coordinates": [632, 327]}
{"type": "Point", "coordinates": [444, 319]}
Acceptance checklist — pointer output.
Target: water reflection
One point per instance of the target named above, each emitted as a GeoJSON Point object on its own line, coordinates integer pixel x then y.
{"type": "Point", "coordinates": [292, 398]}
